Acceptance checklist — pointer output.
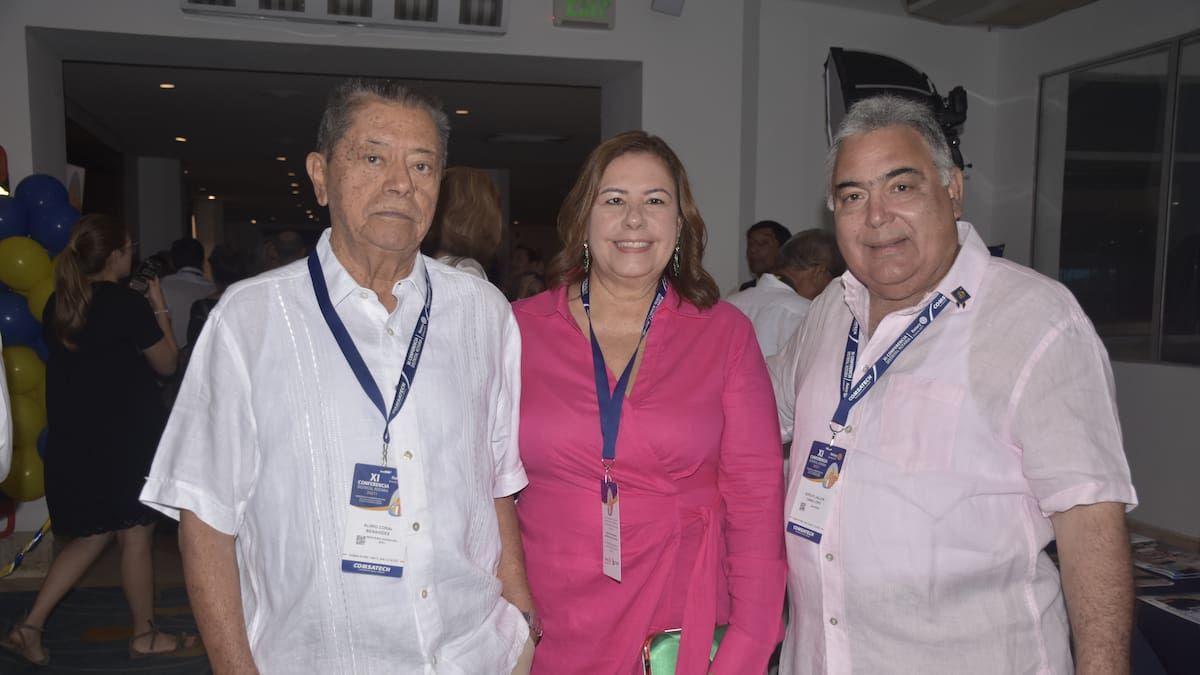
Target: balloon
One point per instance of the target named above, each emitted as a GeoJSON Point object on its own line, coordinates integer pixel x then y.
{"type": "Point", "coordinates": [28, 418]}
{"type": "Point", "coordinates": [43, 352]}
{"type": "Point", "coordinates": [23, 370]}
{"type": "Point", "coordinates": [39, 189]}
{"type": "Point", "coordinates": [23, 263]}
{"type": "Point", "coordinates": [17, 325]}
{"type": "Point", "coordinates": [50, 225]}
{"type": "Point", "coordinates": [41, 444]}
{"type": "Point", "coordinates": [26, 480]}
{"type": "Point", "coordinates": [38, 295]}
{"type": "Point", "coordinates": [14, 218]}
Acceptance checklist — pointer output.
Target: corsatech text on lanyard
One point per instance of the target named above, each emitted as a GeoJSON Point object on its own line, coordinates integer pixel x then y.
{"type": "Point", "coordinates": [415, 346]}
{"type": "Point", "coordinates": [853, 392]}
{"type": "Point", "coordinates": [610, 423]}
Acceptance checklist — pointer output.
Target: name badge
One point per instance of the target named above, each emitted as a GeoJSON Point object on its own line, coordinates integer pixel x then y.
{"type": "Point", "coordinates": [810, 510]}
{"type": "Point", "coordinates": [610, 513]}
{"type": "Point", "coordinates": [373, 542]}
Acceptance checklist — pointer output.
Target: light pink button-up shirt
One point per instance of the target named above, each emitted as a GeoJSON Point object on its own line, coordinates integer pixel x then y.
{"type": "Point", "coordinates": [1000, 414]}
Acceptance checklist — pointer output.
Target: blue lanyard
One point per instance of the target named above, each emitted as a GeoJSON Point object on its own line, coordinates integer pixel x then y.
{"type": "Point", "coordinates": [415, 346]}
{"type": "Point", "coordinates": [610, 403]}
{"type": "Point", "coordinates": [853, 392]}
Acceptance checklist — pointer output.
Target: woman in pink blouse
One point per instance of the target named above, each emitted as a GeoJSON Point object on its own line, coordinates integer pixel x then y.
{"type": "Point", "coordinates": [648, 433]}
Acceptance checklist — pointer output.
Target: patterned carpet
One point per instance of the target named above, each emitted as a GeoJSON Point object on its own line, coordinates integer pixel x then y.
{"type": "Point", "coordinates": [89, 633]}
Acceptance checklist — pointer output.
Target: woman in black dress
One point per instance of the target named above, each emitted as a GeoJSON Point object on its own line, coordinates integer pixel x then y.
{"type": "Point", "coordinates": [105, 414]}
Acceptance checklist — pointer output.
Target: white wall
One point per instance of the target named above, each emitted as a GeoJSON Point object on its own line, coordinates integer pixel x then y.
{"type": "Point", "coordinates": [795, 40]}
{"type": "Point", "coordinates": [689, 85]}
{"type": "Point", "coordinates": [1158, 403]}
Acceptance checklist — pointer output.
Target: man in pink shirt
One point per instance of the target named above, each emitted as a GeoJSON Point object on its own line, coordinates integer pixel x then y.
{"type": "Point", "coordinates": [953, 413]}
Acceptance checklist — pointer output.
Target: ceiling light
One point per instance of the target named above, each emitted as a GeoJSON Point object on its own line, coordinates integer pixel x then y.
{"type": "Point", "coordinates": [166, 85]}
{"type": "Point", "coordinates": [294, 184]}
{"type": "Point", "coordinates": [202, 189]}
{"type": "Point", "coordinates": [291, 174]}
{"type": "Point", "coordinates": [253, 221]}
{"type": "Point", "coordinates": [281, 158]}
{"type": "Point", "coordinates": [212, 196]}
{"type": "Point", "coordinates": [462, 111]}
{"type": "Point", "coordinates": [181, 139]}
{"type": "Point", "coordinates": [295, 192]}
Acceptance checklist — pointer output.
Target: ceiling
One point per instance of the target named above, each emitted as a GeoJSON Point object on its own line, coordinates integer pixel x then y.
{"type": "Point", "coordinates": [237, 122]}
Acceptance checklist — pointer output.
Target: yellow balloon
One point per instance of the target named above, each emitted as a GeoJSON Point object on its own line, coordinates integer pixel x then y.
{"type": "Point", "coordinates": [38, 295]}
{"type": "Point", "coordinates": [23, 262]}
{"type": "Point", "coordinates": [28, 418]}
{"type": "Point", "coordinates": [23, 370]}
{"type": "Point", "coordinates": [26, 479]}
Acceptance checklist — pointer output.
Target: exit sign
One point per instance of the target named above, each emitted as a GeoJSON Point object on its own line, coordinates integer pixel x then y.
{"type": "Point", "coordinates": [585, 13]}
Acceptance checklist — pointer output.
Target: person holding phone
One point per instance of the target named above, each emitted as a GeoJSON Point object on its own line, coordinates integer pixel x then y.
{"type": "Point", "coordinates": [107, 342]}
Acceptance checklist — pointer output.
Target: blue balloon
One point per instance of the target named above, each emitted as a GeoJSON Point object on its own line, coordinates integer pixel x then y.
{"type": "Point", "coordinates": [41, 443]}
{"type": "Point", "coordinates": [51, 226]}
{"type": "Point", "coordinates": [17, 325]}
{"type": "Point", "coordinates": [40, 348]}
{"type": "Point", "coordinates": [14, 218]}
{"type": "Point", "coordinates": [39, 189]}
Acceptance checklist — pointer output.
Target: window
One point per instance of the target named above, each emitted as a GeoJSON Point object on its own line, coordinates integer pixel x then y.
{"type": "Point", "coordinates": [1118, 164]}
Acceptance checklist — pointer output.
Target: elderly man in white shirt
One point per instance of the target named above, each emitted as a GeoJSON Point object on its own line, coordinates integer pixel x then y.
{"type": "Point", "coordinates": [342, 455]}
{"type": "Point", "coordinates": [778, 303]}
{"type": "Point", "coordinates": [953, 414]}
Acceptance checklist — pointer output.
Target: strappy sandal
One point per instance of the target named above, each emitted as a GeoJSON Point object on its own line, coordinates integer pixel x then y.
{"type": "Point", "coordinates": [181, 648]}
{"type": "Point", "coordinates": [20, 646]}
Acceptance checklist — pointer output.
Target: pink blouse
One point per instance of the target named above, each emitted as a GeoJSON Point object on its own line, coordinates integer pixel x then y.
{"type": "Point", "coordinates": [699, 466]}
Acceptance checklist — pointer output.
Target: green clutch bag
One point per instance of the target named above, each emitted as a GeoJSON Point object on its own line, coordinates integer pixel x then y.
{"type": "Point", "coordinates": [660, 652]}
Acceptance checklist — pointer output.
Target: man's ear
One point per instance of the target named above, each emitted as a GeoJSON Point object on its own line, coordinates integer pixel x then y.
{"type": "Point", "coordinates": [955, 188]}
{"type": "Point", "coordinates": [315, 164]}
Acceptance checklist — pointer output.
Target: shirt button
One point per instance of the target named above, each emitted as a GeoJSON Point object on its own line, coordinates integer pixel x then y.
{"type": "Point", "coordinates": [424, 593]}
{"type": "Point", "coordinates": [362, 294]}
{"type": "Point", "coordinates": [829, 556]}
{"type": "Point", "coordinates": [391, 332]}
{"type": "Point", "coordinates": [832, 622]}
{"type": "Point", "coordinates": [408, 454]}
{"type": "Point", "coordinates": [416, 527]}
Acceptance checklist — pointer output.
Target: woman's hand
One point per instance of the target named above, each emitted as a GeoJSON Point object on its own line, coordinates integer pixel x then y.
{"type": "Point", "coordinates": [155, 295]}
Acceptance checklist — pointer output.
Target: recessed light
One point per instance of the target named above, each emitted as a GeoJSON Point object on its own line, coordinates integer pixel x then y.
{"type": "Point", "coordinates": [180, 139]}
{"type": "Point", "coordinates": [212, 196]}
{"type": "Point", "coordinates": [462, 111]}
{"type": "Point", "coordinates": [166, 85]}
{"type": "Point", "coordinates": [295, 192]}
{"type": "Point", "coordinates": [253, 221]}
{"type": "Point", "coordinates": [281, 158]}
{"type": "Point", "coordinates": [294, 184]}
{"type": "Point", "coordinates": [291, 174]}
{"type": "Point", "coordinates": [203, 189]}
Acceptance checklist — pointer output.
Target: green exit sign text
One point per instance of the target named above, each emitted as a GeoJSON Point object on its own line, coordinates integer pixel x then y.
{"type": "Point", "coordinates": [585, 13]}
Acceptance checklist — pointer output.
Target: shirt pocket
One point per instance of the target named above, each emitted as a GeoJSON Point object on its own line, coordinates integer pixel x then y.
{"type": "Point", "coordinates": [919, 423]}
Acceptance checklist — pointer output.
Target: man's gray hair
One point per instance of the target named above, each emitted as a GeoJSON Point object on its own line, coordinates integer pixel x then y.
{"type": "Point", "coordinates": [812, 247]}
{"type": "Point", "coordinates": [881, 112]}
{"type": "Point", "coordinates": [349, 95]}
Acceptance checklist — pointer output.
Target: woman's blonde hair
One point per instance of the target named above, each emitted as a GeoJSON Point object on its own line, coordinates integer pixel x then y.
{"type": "Point", "coordinates": [94, 238]}
{"type": "Point", "coordinates": [468, 222]}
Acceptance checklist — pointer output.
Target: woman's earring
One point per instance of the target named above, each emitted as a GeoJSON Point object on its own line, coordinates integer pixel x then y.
{"type": "Point", "coordinates": [675, 260]}
{"type": "Point", "coordinates": [587, 258]}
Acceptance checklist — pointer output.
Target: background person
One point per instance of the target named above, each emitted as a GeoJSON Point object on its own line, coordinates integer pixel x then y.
{"type": "Point", "coordinates": [695, 451]}
{"type": "Point", "coordinates": [779, 303]}
{"type": "Point", "coordinates": [992, 432]}
{"type": "Point", "coordinates": [186, 285]}
{"type": "Point", "coordinates": [104, 415]}
{"type": "Point", "coordinates": [468, 223]}
{"type": "Point", "coordinates": [763, 241]}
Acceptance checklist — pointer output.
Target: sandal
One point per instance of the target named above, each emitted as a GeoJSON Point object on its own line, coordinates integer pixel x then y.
{"type": "Point", "coordinates": [20, 646]}
{"type": "Point", "coordinates": [182, 645]}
